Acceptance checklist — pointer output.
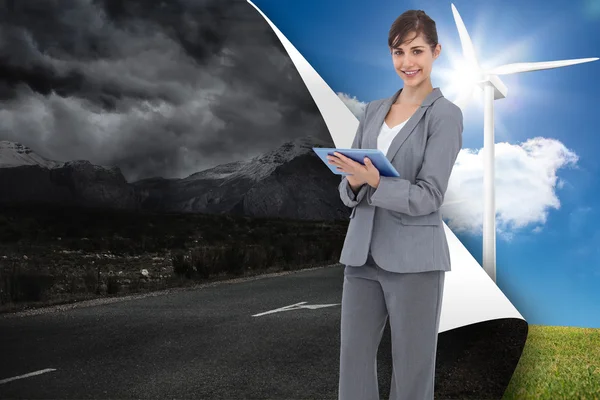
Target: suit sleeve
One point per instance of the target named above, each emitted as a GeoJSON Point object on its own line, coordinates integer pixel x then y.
{"type": "Point", "coordinates": [426, 195]}
{"type": "Point", "coordinates": [349, 198]}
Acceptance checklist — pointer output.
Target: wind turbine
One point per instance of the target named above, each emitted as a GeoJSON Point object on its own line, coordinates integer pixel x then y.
{"type": "Point", "coordinates": [494, 89]}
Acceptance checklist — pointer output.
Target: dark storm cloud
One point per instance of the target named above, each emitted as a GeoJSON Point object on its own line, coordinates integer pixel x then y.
{"type": "Point", "coordinates": [49, 45]}
{"type": "Point", "coordinates": [159, 88]}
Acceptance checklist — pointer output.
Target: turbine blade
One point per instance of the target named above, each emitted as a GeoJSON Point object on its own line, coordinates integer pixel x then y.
{"type": "Point", "coordinates": [465, 39]}
{"type": "Point", "coordinates": [535, 66]}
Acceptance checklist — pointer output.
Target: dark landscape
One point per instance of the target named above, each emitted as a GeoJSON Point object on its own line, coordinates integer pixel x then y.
{"type": "Point", "coordinates": [71, 230]}
{"type": "Point", "coordinates": [149, 144]}
{"type": "Point", "coordinates": [54, 255]}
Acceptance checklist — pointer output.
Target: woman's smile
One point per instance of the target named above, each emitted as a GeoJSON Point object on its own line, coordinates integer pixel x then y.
{"type": "Point", "coordinates": [411, 73]}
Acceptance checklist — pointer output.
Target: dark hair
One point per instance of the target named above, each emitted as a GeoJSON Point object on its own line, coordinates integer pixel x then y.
{"type": "Point", "coordinates": [413, 21]}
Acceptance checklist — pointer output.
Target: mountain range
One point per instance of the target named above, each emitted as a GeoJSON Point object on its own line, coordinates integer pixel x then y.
{"type": "Point", "coordinates": [287, 182]}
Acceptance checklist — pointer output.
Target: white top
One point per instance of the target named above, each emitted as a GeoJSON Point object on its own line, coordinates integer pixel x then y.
{"type": "Point", "coordinates": [386, 135]}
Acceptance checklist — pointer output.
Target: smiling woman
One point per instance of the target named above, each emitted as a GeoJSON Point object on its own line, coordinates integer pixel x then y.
{"type": "Point", "coordinates": [396, 253]}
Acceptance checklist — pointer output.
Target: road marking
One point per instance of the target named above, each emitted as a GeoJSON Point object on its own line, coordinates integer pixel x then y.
{"type": "Point", "coordinates": [297, 306]}
{"type": "Point", "coordinates": [42, 371]}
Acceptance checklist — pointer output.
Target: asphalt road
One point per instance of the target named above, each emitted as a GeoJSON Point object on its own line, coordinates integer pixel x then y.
{"type": "Point", "coordinates": [201, 343]}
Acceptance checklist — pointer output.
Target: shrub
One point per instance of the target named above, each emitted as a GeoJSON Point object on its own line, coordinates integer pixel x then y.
{"type": "Point", "coordinates": [182, 264]}
{"type": "Point", "coordinates": [91, 280]}
{"type": "Point", "coordinates": [203, 260]}
{"type": "Point", "coordinates": [28, 286]}
{"type": "Point", "coordinates": [112, 285]}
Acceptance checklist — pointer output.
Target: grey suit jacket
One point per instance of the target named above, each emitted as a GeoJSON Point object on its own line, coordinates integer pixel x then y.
{"type": "Point", "coordinates": [400, 221]}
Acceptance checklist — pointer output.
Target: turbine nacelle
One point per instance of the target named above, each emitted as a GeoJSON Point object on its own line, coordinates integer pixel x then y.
{"type": "Point", "coordinates": [500, 89]}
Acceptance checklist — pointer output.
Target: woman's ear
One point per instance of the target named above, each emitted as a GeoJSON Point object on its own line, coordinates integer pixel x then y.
{"type": "Point", "coordinates": [438, 50]}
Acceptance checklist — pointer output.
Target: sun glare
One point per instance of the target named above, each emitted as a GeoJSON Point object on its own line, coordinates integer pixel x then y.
{"type": "Point", "coordinates": [459, 79]}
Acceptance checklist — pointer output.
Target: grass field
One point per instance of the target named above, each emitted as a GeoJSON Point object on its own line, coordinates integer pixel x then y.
{"type": "Point", "coordinates": [558, 363]}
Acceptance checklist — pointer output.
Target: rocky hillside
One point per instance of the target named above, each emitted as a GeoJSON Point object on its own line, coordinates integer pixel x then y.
{"type": "Point", "coordinates": [27, 178]}
{"type": "Point", "coordinates": [288, 182]}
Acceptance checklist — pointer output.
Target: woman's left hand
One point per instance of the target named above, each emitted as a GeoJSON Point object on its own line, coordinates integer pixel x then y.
{"type": "Point", "coordinates": [367, 173]}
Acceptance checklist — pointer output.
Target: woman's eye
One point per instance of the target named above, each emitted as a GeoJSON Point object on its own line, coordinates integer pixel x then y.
{"type": "Point", "coordinates": [414, 52]}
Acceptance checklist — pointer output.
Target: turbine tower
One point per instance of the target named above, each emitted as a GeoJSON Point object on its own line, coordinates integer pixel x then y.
{"type": "Point", "coordinates": [494, 89]}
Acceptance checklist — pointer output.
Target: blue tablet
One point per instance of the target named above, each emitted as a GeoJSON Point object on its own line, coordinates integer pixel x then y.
{"type": "Point", "coordinates": [379, 159]}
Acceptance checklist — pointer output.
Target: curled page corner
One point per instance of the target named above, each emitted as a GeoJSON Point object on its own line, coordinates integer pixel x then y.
{"type": "Point", "coordinates": [470, 295]}
{"type": "Point", "coordinates": [482, 334]}
{"type": "Point", "coordinates": [340, 121]}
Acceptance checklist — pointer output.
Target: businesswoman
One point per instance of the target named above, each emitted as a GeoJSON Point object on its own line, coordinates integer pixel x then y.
{"type": "Point", "coordinates": [395, 251]}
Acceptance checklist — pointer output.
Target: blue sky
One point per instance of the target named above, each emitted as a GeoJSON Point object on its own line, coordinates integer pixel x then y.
{"type": "Point", "coordinates": [548, 245]}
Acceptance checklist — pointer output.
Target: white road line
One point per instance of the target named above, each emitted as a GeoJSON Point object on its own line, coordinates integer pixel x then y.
{"type": "Point", "coordinates": [279, 309]}
{"type": "Point", "coordinates": [296, 306]}
{"type": "Point", "coordinates": [41, 371]}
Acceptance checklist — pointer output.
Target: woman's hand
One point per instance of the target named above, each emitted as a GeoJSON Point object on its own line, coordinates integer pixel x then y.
{"type": "Point", "coordinates": [359, 173]}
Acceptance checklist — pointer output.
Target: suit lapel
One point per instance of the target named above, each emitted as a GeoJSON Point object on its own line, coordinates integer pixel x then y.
{"type": "Point", "coordinates": [407, 128]}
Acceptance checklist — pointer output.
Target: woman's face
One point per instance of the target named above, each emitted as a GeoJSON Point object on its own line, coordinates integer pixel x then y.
{"type": "Point", "coordinates": [413, 60]}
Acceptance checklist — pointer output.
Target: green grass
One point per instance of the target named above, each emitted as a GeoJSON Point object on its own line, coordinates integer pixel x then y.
{"type": "Point", "coordinates": [558, 363]}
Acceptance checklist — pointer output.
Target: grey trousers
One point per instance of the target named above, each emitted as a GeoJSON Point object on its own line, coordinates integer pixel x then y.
{"type": "Point", "coordinates": [412, 301]}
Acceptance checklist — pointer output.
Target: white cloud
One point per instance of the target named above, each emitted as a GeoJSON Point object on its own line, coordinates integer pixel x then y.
{"type": "Point", "coordinates": [526, 184]}
{"type": "Point", "coordinates": [356, 106]}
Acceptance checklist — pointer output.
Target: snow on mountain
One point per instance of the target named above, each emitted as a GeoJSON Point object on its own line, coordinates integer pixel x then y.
{"type": "Point", "coordinates": [14, 154]}
{"type": "Point", "coordinates": [263, 165]}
